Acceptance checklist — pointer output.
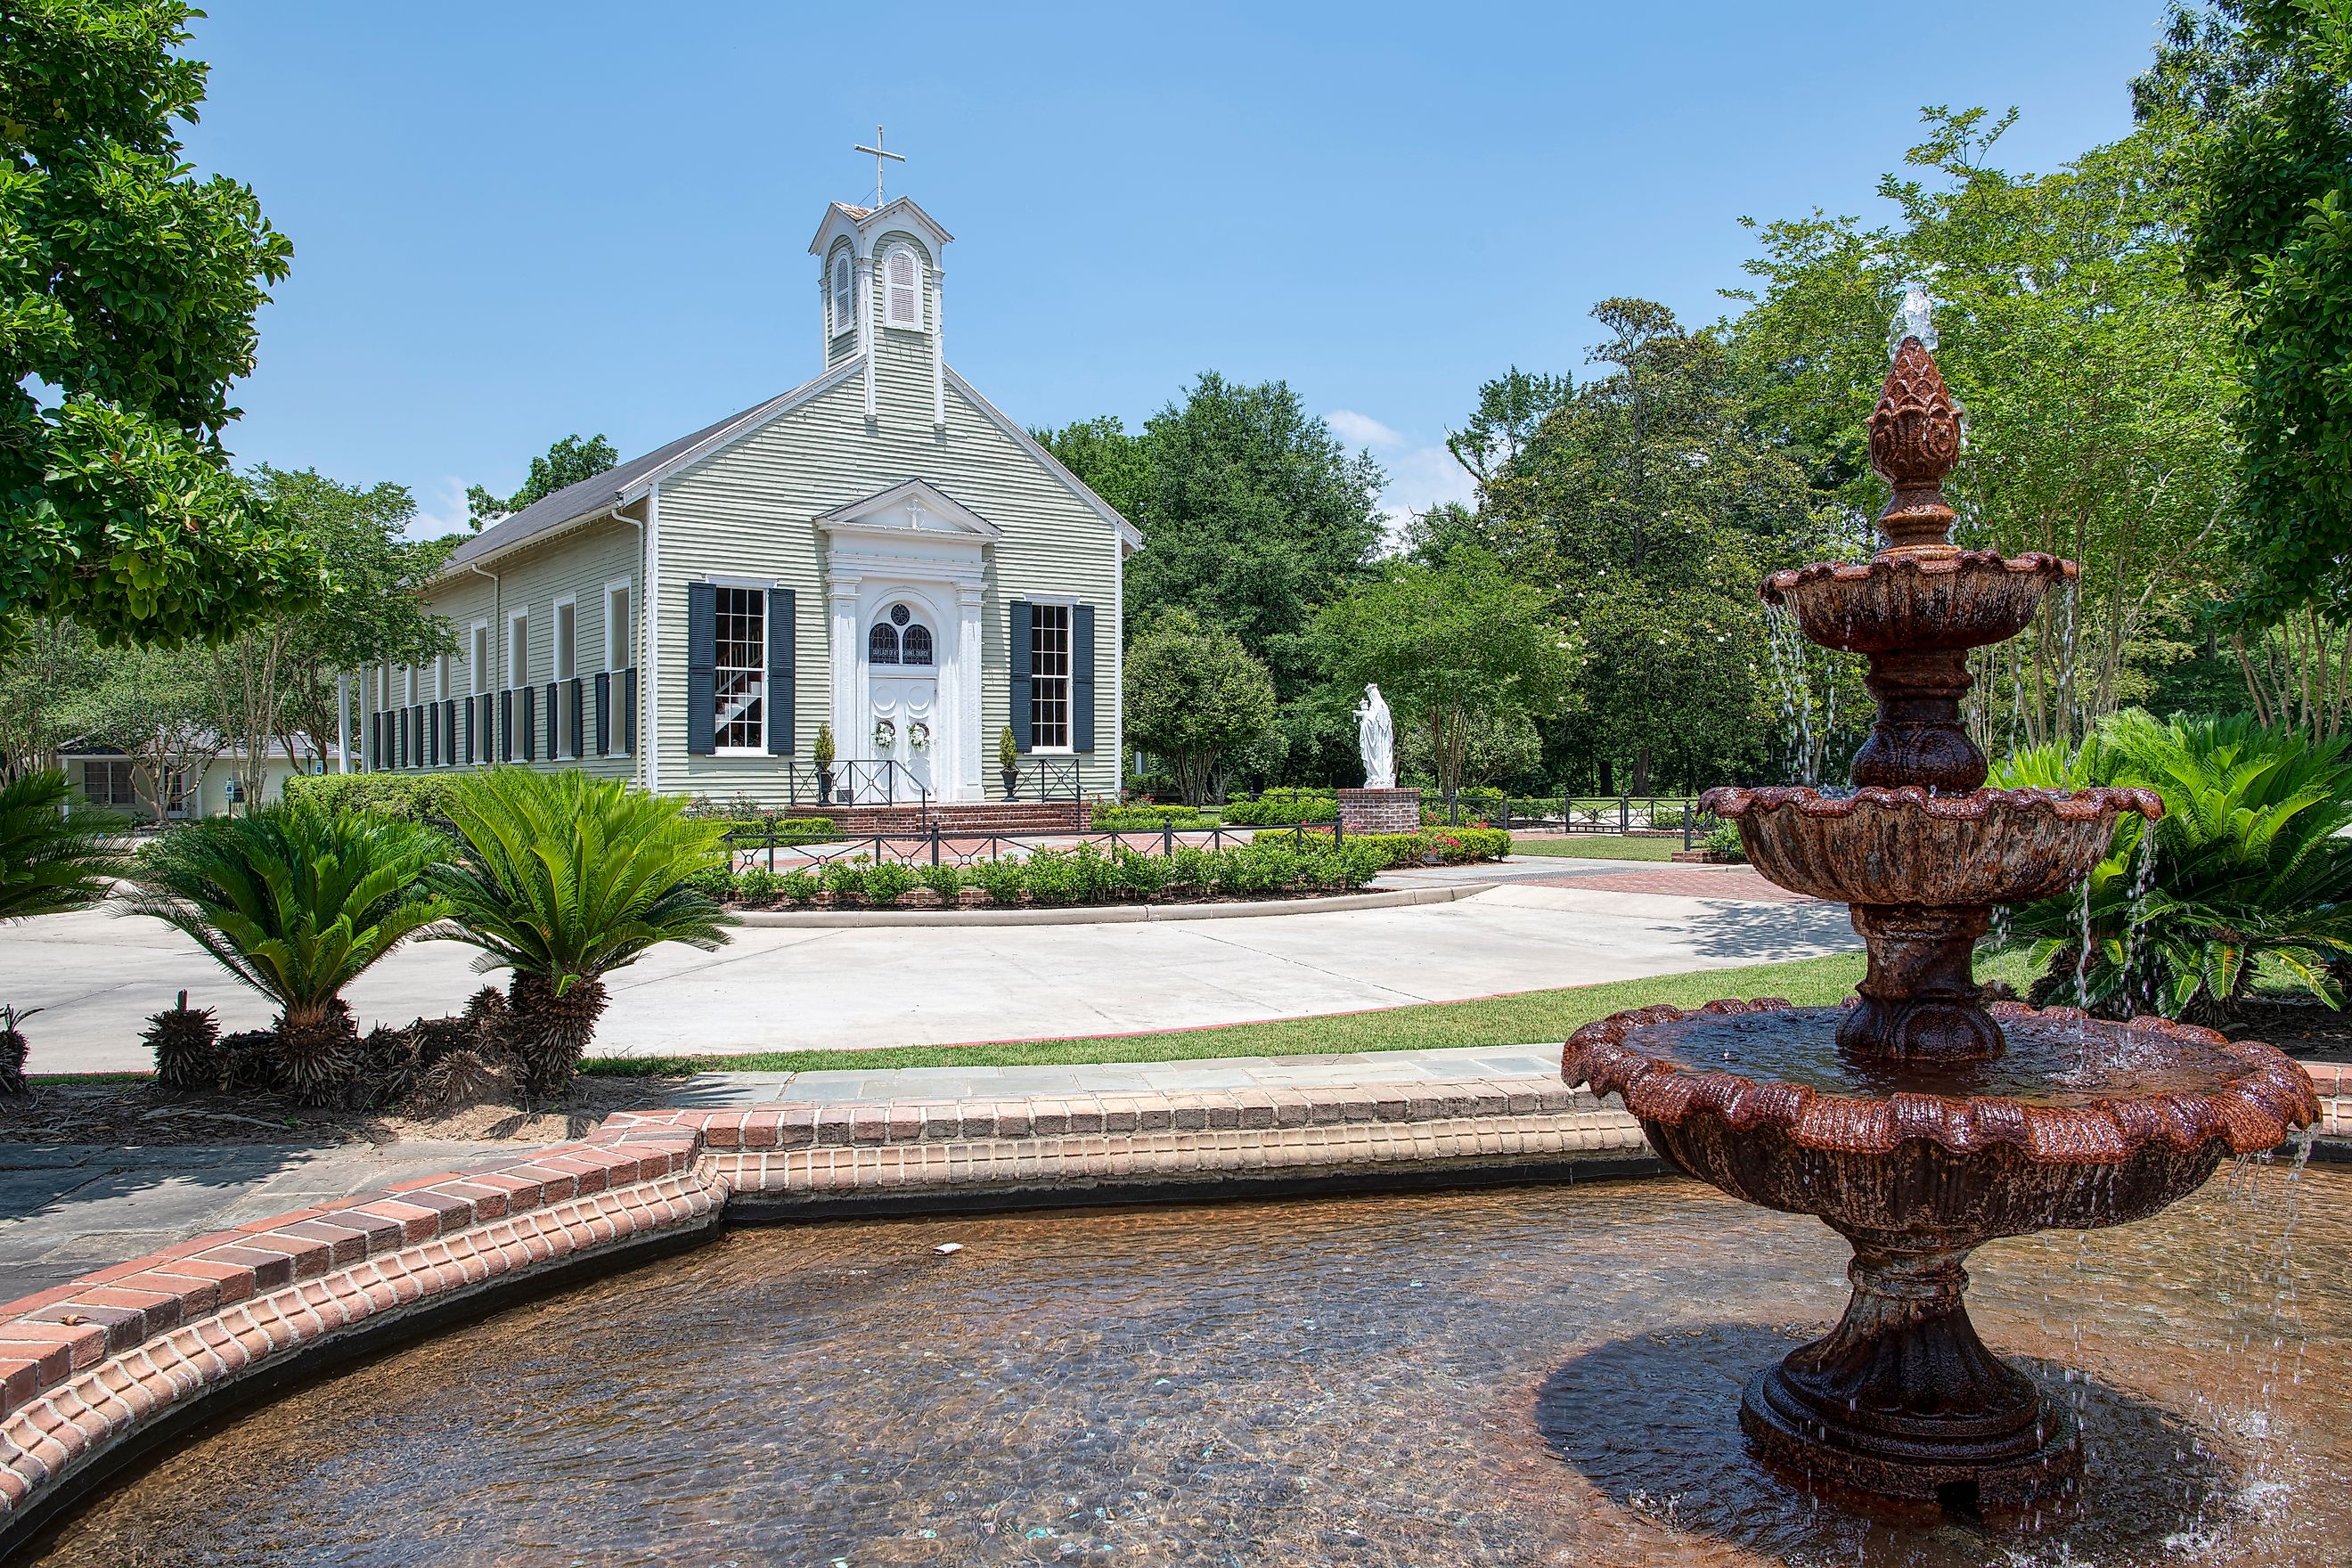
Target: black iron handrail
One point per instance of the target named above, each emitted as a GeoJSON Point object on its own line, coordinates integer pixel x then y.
{"type": "Point", "coordinates": [855, 780]}
{"type": "Point", "coordinates": [1043, 779]}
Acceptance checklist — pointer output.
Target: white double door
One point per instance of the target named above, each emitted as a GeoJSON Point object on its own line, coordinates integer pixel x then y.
{"type": "Point", "coordinates": [905, 721]}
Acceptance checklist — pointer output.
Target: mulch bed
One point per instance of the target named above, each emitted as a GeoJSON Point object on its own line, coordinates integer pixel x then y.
{"type": "Point", "coordinates": [138, 1113]}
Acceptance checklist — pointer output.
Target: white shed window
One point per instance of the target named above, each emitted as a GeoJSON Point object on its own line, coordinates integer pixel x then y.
{"type": "Point", "coordinates": [518, 648]}
{"type": "Point", "coordinates": [481, 656]}
{"type": "Point", "coordinates": [1049, 677]}
{"type": "Point", "coordinates": [904, 281]}
{"type": "Point", "coordinates": [844, 295]}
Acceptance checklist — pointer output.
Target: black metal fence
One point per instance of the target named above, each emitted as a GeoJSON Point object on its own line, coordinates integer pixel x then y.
{"type": "Point", "coordinates": [938, 845]}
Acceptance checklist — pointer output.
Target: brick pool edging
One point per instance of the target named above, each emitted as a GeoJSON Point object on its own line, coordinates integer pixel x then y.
{"type": "Point", "coordinates": [817, 1158]}
{"type": "Point", "coordinates": [88, 1366]}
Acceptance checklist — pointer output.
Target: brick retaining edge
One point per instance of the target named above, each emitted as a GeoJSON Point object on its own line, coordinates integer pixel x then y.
{"type": "Point", "coordinates": [92, 1371]}
{"type": "Point", "coordinates": [89, 1368]}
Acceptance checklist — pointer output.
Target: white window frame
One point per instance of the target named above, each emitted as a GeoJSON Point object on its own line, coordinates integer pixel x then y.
{"type": "Point", "coordinates": [842, 268]}
{"type": "Point", "coordinates": [915, 289]}
{"type": "Point", "coordinates": [110, 769]}
{"type": "Point", "coordinates": [411, 674]}
{"type": "Point", "coordinates": [563, 655]}
{"type": "Point", "coordinates": [1068, 678]}
{"type": "Point", "coordinates": [518, 650]}
{"type": "Point", "coordinates": [616, 627]}
{"type": "Point", "coordinates": [758, 590]}
{"type": "Point", "coordinates": [478, 651]}
{"type": "Point", "coordinates": [441, 676]}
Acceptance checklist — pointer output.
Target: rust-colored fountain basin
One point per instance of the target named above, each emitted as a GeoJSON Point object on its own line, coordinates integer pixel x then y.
{"type": "Point", "coordinates": [2078, 1123]}
{"type": "Point", "coordinates": [1914, 601]}
{"type": "Point", "coordinates": [1908, 845]}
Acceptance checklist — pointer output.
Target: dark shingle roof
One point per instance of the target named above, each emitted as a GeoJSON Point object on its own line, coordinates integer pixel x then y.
{"type": "Point", "coordinates": [589, 496]}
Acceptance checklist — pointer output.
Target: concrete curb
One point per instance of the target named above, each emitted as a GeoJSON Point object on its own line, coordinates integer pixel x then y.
{"type": "Point", "coordinates": [1114, 914]}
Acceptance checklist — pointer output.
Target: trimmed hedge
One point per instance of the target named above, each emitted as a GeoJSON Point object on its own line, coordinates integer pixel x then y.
{"type": "Point", "coordinates": [1125, 818]}
{"type": "Point", "coordinates": [1277, 807]}
{"type": "Point", "coordinates": [1083, 875]}
{"type": "Point", "coordinates": [1450, 845]}
{"type": "Point", "coordinates": [412, 797]}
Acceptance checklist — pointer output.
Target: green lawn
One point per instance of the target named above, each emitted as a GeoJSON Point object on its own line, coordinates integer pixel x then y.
{"type": "Point", "coordinates": [1598, 847]}
{"type": "Point", "coordinates": [1516, 1019]}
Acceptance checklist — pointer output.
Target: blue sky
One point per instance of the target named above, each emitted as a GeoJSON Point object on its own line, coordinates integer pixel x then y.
{"type": "Point", "coordinates": [513, 221]}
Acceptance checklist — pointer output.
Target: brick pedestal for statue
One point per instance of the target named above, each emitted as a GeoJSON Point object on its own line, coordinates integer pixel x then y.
{"type": "Point", "coordinates": [1379, 810]}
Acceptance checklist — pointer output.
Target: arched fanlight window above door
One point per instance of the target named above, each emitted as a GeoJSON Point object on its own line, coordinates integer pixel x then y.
{"type": "Point", "coordinates": [915, 647]}
{"type": "Point", "coordinates": [882, 644]}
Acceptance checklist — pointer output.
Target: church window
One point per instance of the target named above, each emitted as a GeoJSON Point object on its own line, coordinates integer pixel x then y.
{"type": "Point", "coordinates": [844, 295]}
{"type": "Point", "coordinates": [882, 644]}
{"type": "Point", "coordinates": [741, 661]}
{"type": "Point", "coordinates": [1049, 676]}
{"type": "Point", "coordinates": [905, 282]}
{"type": "Point", "coordinates": [916, 646]}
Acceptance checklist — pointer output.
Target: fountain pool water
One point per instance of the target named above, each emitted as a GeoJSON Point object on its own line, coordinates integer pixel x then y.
{"type": "Point", "coordinates": [1524, 1376]}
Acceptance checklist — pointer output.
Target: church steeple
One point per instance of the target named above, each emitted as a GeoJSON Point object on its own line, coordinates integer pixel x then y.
{"type": "Point", "coordinates": [879, 285]}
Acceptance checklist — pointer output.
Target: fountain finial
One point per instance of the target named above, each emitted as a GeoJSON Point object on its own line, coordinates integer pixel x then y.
{"type": "Point", "coordinates": [1914, 439]}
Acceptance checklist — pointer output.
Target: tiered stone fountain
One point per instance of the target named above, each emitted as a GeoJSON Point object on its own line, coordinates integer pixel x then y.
{"type": "Point", "coordinates": [1918, 1122]}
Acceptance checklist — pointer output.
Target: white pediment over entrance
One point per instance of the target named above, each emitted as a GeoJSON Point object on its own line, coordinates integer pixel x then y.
{"type": "Point", "coordinates": [912, 509]}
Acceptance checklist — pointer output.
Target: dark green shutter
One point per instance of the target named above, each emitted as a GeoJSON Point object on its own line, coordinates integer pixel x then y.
{"type": "Point", "coordinates": [468, 753]}
{"type": "Point", "coordinates": [603, 712]}
{"type": "Point", "coordinates": [554, 720]}
{"type": "Point", "coordinates": [506, 725]}
{"type": "Point", "coordinates": [1082, 679]}
{"type": "Point", "coordinates": [783, 689]}
{"type": "Point", "coordinates": [528, 722]}
{"type": "Point", "coordinates": [629, 711]}
{"type": "Point", "coordinates": [701, 669]}
{"type": "Point", "coordinates": [1017, 653]}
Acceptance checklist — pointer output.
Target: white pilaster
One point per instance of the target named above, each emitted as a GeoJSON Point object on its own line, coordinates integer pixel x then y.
{"type": "Point", "coordinates": [848, 689]}
{"type": "Point", "coordinates": [969, 604]}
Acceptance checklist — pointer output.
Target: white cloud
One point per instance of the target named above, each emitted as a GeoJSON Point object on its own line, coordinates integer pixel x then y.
{"type": "Point", "coordinates": [1361, 429]}
{"type": "Point", "coordinates": [1420, 476]}
{"type": "Point", "coordinates": [441, 509]}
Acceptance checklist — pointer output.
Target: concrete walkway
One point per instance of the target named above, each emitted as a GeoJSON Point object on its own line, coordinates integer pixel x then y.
{"type": "Point", "coordinates": [1547, 923]}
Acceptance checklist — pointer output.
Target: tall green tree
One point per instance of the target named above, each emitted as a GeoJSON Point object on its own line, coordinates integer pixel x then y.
{"type": "Point", "coordinates": [1115, 465]}
{"type": "Point", "coordinates": [1646, 510]}
{"type": "Point", "coordinates": [1254, 517]}
{"type": "Point", "coordinates": [2094, 383]}
{"type": "Point", "coordinates": [567, 462]}
{"type": "Point", "coordinates": [1196, 696]}
{"type": "Point", "coordinates": [1510, 407]}
{"type": "Point", "coordinates": [275, 681]}
{"type": "Point", "coordinates": [41, 680]}
{"type": "Point", "coordinates": [2253, 97]}
{"type": "Point", "coordinates": [1454, 646]}
{"type": "Point", "coordinates": [159, 708]}
{"type": "Point", "coordinates": [128, 287]}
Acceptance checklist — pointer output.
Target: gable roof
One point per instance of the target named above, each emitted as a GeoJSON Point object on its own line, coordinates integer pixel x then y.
{"type": "Point", "coordinates": [619, 487]}
{"type": "Point", "coordinates": [616, 486]}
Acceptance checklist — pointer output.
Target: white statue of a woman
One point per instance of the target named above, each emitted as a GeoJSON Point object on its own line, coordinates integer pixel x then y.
{"type": "Point", "coordinates": [1376, 738]}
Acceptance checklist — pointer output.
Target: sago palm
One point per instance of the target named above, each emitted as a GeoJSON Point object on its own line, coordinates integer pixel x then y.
{"type": "Point", "coordinates": [561, 880]}
{"type": "Point", "coordinates": [53, 855]}
{"type": "Point", "coordinates": [297, 903]}
{"type": "Point", "coordinates": [2248, 865]}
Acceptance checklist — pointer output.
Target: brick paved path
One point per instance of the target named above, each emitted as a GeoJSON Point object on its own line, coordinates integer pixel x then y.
{"type": "Point", "coordinates": [1674, 882]}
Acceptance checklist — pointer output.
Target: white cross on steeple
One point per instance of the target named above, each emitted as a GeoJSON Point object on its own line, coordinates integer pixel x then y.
{"type": "Point", "coordinates": [879, 155]}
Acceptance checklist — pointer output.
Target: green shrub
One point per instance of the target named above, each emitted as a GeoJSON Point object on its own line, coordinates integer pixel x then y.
{"type": "Point", "coordinates": [886, 881]}
{"type": "Point", "coordinates": [297, 901]}
{"type": "Point", "coordinates": [799, 885]}
{"type": "Point", "coordinates": [1134, 875]}
{"type": "Point", "coordinates": [1001, 880]}
{"type": "Point", "coordinates": [1076, 876]}
{"type": "Point", "coordinates": [718, 884]}
{"type": "Point", "coordinates": [1129, 818]}
{"type": "Point", "coordinates": [1447, 846]}
{"type": "Point", "coordinates": [758, 886]}
{"type": "Point", "coordinates": [410, 797]}
{"type": "Point", "coordinates": [562, 878]}
{"type": "Point", "coordinates": [845, 877]}
{"type": "Point", "coordinates": [53, 859]}
{"type": "Point", "coordinates": [1276, 806]}
{"type": "Point", "coordinates": [947, 881]}
{"type": "Point", "coordinates": [1723, 838]}
{"type": "Point", "coordinates": [2249, 866]}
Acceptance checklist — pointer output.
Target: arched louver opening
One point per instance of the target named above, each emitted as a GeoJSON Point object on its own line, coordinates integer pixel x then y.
{"type": "Point", "coordinates": [916, 646]}
{"type": "Point", "coordinates": [844, 294]}
{"type": "Point", "coordinates": [882, 644]}
{"type": "Point", "coordinates": [905, 283]}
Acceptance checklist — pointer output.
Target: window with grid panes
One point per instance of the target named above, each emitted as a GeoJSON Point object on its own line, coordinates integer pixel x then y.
{"type": "Point", "coordinates": [742, 667]}
{"type": "Point", "coordinates": [1049, 676]}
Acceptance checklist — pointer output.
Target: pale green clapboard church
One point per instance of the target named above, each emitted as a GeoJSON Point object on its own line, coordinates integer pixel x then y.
{"type": "Point", "coordinates": [880, 547]}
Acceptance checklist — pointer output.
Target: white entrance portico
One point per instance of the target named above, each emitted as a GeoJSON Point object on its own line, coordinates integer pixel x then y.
{"type": "Point", "coordinates": [906, 571]}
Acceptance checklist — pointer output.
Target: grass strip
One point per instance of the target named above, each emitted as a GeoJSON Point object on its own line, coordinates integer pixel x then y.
{"type": "Point", "coordinates": [1513, 1019]}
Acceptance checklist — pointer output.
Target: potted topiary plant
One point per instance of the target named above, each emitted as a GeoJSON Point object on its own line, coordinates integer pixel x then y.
{"type": "Point", "coordinates": [822, 753]}
{"type": "Point", "coordinates": [1008, 762]}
